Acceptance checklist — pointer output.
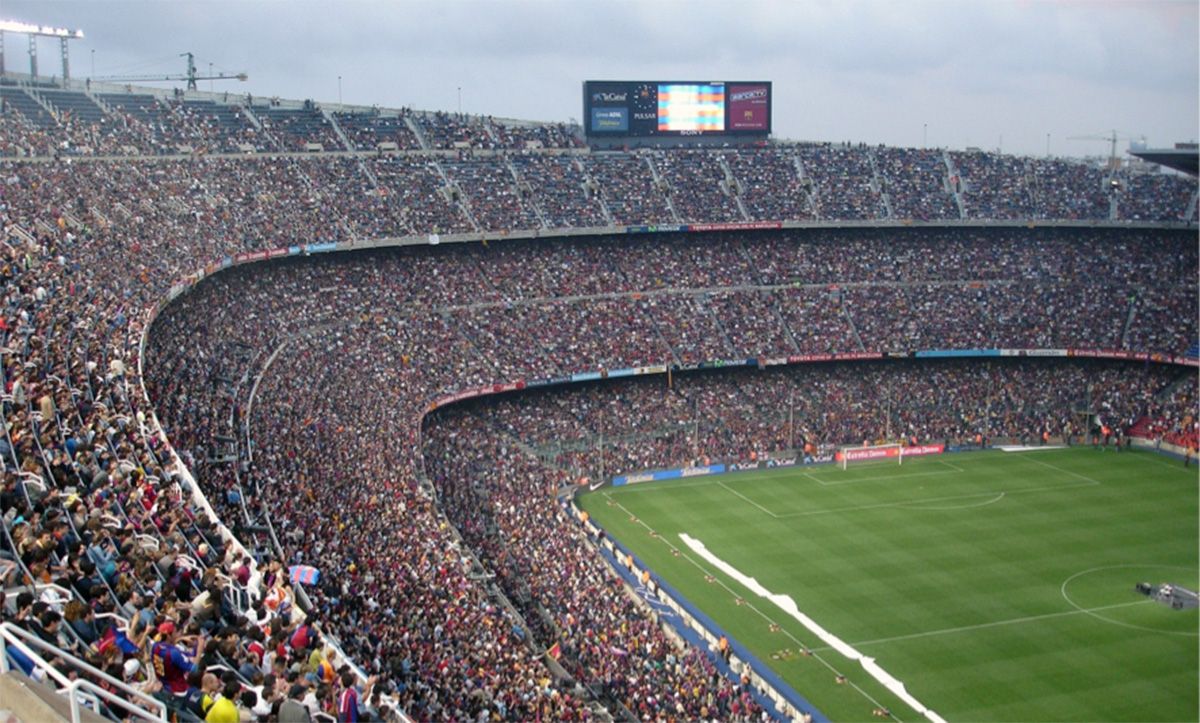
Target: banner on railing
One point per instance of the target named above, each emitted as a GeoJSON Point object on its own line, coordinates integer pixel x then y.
{"type": "Point", "coordinates": [953, 353]}
{"type": "Point", "coordinates": [1034, 352]}
{"type": "Point", "coordinates": [834, 356]}
{"type": "Point", "coordinates": [867, 453]}
{"type": "Point", "coordinates": [665, 228]}
{"type": "Point", "coordinates": [738, 226]}
{"type": "Point", "coordinates": [1133, 356]}
{"type": "Point", "coordinates": [657, 475]}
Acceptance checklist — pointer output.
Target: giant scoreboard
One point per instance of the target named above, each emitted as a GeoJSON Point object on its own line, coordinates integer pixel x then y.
{"type": "Point", "coordinates": [622, 108]}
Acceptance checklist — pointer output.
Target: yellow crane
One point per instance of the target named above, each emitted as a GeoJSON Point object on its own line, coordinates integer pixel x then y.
{"type": "Point", "coordinates": [1112, 137]}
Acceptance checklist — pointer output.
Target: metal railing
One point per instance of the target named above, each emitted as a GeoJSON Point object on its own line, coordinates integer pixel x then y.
{"type": "Point", "coordinates": [132, 703]}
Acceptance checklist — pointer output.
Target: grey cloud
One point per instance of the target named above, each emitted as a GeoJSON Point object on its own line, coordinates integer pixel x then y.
{"type": "Point", "coordinates": [842, 70]}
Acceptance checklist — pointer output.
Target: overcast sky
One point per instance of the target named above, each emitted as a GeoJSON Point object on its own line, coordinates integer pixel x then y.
{"type": "Point", "coordinates": [976, 73]}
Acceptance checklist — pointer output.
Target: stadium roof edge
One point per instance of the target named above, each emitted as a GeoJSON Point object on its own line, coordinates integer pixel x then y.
{"type": "Point", "coordinates": [1184, 160]}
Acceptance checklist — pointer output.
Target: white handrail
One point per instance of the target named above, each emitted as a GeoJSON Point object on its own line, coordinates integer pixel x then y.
{"type": "Point", "coordinates": [122, 621]}
{"type": "Point", "coordinates": [62, 594]}
{"type": "Point", "coordinates": [136, 704]}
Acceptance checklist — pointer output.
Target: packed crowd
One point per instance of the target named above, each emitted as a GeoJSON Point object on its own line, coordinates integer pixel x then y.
{"type": "Point", "coordinates": [566, 196]}
{"type": "Point", "coordinates": [132, 122]}
{"type": "Point", "coordinates": [420, 323]}
{"type": "Point", "coordinates": [100, 524]}
{"type": "Point", "coordinates": [366, 131]}
{"type": "Point", "coordinates": [994, 186]}
{"type": "Point", "coordinates": [459, 131]}
{"type": "Point", "coordinates": [630, 190]}
{"type": "Point", "coordinates": [294, 129]}
{"type": "Point", "coordinates": [493, 194]}
{"type": "Point", "coordinates": [1174, 419]}
{"type": "Point", "coordinates": [576, 602]}
{"type": "Point", "coordinates": [843, 181]}
{"type": "Point", "coordinates": [743, 415]}
{"type": "Point", "coordinates": [707, 189]}
{"type": "Point", "coordinates": [916, 183]}
{"type": "Point", "coordinates": [369, 341]}
{"type": "Point", "coordinates": [770, 186]}
{"type": "Point", "coordinates": [779, 182]}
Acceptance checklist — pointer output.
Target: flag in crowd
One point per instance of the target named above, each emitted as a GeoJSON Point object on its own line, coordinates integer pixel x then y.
{"type": "Point", "coordinates": [304, 574]}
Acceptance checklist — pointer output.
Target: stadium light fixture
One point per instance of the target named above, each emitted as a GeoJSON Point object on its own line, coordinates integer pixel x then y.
{"type": "Point", "coordinates": [64, 35]}
{"type": "Point", "coordinates": [16, 26]}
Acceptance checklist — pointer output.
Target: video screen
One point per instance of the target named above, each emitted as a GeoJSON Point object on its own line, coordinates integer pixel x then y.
{"type": "Point", "coordinates": [691, 108]}
{"type": "Point", "coordinates": [676, 108]}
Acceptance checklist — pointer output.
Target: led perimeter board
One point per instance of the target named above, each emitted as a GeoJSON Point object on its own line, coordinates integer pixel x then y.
{"type": "Point", "coordinates": [639, 109]}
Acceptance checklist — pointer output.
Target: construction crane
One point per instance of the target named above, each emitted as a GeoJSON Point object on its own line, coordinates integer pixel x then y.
{"type": "Point", "coordinates": [191, 77]}
{"type": "Point", "coordinates": [1112, 138]}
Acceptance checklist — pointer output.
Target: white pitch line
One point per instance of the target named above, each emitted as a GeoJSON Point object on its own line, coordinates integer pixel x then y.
{"type": "Point", "coordinates": [747, 499]}
{"type": "Point", "coordinates": [1060, 469]}
{"type": "Point", "coordinates": [985, 503]}
{"type": "Point", "coordinates": [951, 466]}
{"type": "Point", "coordinates": [997, 623]}
{"type": "Point", "coordinates": [903, 503]}
{"type": "Point", "coordinates": [1156, 459]}
{"type": "Point", "coordinates": [937, 473]}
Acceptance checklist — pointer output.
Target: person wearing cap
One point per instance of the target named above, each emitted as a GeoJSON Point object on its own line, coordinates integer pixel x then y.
{"type": "Point", "coordinates": [137, 677]}
{"type": "Point", "coordinates": [170, 663]}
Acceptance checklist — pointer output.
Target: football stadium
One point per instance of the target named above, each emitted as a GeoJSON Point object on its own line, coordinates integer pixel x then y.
{"type": "Point", "coordinates": [325, 411]}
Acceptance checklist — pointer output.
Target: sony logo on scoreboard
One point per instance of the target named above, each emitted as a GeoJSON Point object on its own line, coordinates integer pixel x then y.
{"type": "Point", "coordinates": [749, 94]}
{"type": "Point", "coordinates": [609, 97]}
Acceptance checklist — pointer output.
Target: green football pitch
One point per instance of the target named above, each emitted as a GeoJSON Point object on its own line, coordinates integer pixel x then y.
{"type": "Point", "coordinates": [995, 586]}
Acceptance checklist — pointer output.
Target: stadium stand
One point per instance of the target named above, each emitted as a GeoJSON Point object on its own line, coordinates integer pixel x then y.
{"type": "Point", "coordinates": [295, 129]}
{"type": "Point", "coordinates": [368, 130]}
{"type": "Point", "coordinates": [292, 394]}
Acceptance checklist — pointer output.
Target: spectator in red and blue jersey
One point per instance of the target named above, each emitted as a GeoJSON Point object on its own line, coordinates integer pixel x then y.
{"type": "Point", "coordinates": [348, 710]}
{"type": "Point", "coordinates": [171, 664]}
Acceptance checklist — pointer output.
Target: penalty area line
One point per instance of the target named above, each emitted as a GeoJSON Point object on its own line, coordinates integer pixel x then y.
{"type": "Point", "coordinates": [727, 488]}
{"type": "Point", "coordinates": [926, 500]}
{"type": "Point", "coordinates": [834, 483]}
